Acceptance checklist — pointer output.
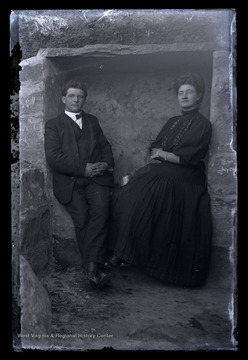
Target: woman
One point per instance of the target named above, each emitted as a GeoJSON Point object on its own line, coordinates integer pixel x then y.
{"type": "Point", "coordinates": [161, 220]}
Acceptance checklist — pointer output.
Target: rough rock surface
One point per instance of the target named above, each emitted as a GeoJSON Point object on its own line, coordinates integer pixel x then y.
{"type": "Point", "coordinates": [35, 309]}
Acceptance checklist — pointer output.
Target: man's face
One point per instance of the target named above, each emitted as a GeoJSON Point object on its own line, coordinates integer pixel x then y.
{"type": "Point", "coordinates": [74, 100]}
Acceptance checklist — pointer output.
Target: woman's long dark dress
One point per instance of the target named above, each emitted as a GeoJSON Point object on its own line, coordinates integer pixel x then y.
{"type": "Point", "coordinates": [161, 220]}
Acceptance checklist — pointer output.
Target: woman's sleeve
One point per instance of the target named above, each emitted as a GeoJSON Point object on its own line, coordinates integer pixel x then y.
{"type": "Point", "coordinates": [157, 143]}
{"type": "Point", "coordinates": [195, 143]}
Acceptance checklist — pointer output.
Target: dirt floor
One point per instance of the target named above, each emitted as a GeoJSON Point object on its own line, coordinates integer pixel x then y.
{"type": "Point", "coordinates": [136, 312]}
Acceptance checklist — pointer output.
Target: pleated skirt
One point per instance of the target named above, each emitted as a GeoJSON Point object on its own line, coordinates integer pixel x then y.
{"type": "Point", "coordinates": [161, 222]}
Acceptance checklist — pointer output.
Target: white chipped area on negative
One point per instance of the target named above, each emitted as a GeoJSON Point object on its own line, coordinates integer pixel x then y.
{"type": "Point", "coordinates": [46, 24]}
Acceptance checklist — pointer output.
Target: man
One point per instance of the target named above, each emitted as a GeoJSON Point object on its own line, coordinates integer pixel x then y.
{"type": "Point", "coordinates": [82, 162]}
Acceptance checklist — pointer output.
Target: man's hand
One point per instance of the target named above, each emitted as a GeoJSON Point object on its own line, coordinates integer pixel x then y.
{"type": "Point", "coordinates": [95, 169]}
{"type": "Point", "coordinates": [102, 166]}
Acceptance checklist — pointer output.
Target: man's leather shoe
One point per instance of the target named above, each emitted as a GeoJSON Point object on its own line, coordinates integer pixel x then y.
{"type": "Point", "coordinates": [103, 279]}
{"type": "Point", "coordinates": [92, 273]}
{"type": "Point", "coordinates": [93, 279]}
{"type": "Point", "coordinates": [113, 262]}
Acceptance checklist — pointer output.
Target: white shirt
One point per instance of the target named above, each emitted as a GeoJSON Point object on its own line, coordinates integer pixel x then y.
{"type": "Point", "coordinates": [73, 117]}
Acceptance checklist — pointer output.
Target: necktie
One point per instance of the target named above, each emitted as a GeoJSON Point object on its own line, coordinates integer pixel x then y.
{"type": "Point", "coordinates": [78, 116]}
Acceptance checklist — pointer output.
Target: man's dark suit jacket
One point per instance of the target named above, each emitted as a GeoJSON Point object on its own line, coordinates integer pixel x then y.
{"type": "Point", "coordinates": [68, 151]}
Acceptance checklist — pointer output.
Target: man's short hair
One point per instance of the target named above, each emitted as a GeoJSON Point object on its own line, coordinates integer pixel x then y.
{"type": "Point", "coordinates": [75, 85]}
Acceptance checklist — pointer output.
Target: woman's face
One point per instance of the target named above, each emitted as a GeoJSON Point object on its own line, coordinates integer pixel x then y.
{"type": "Point", "coordinates": [188, 97]}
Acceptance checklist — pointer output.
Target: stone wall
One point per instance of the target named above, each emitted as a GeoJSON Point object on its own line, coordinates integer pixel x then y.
{"type": "Point", "coordinates": [35, 232]}
{"type": "Point", "coordinates": [77, 28]}
{"type": "Point", "coordinates": [222, 172]}
{"type": "Point", "coordinates": [35, 228]}
{"type": "Point", "coordinates": [36, 312]}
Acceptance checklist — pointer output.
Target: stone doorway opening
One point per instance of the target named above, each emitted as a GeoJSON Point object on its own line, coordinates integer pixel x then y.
{"type": "Point", "coordinates": [130, 90]}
